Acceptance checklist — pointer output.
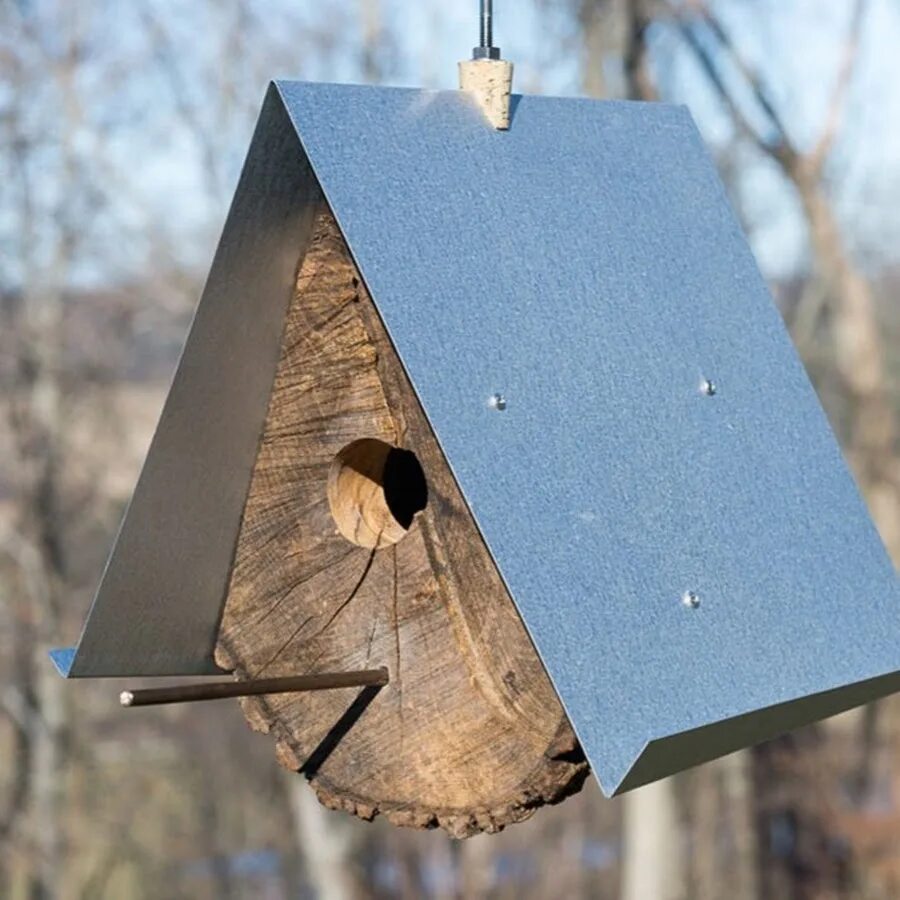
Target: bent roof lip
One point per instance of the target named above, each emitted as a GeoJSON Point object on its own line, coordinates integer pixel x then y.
{"type": "Point", "coordinates": [586, 265]}
{"type": "Point", "coordinates": [62, 658]}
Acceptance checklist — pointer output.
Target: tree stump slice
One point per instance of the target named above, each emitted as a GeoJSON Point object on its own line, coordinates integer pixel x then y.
{"type": "Point", "coordinates": [469, 734]}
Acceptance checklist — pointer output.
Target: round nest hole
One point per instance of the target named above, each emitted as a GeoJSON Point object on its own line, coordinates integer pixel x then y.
{"type": "Point", "coordinates": [375, 491]}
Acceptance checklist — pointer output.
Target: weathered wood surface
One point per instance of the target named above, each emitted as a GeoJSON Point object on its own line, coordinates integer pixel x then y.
{"type": "Point", "coordinates": [469, 734]}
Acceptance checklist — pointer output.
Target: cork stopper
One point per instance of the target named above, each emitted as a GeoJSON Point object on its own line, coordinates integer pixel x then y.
{"type": "Point", "coordinates": [490, 83]}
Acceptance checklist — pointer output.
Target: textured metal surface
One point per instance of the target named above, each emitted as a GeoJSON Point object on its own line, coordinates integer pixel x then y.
{"type": "Point", "coordinates": [159, 604]}
{"type": "Point", "coordinates": [610, 382]}
{"type": "Point", "coordinates": [601, 282]}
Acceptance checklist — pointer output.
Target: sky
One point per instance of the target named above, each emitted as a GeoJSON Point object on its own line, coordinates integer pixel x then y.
{"type": "Point", "coordinates": [797, 43]}
{"type": "Point", "coordinates": [172, 181]}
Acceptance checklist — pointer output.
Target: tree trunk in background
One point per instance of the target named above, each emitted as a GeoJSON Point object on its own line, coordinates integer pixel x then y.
{"type": "Point", "coordinates": [858, 352]}
{"type": "Point", "coordinates": [49, 779]}
{"type": "Point", "coordinates": [705, 803]}
{"type": "Point", "coordinates": [324, 843]}
{"type": "Point", "coordinates": [476, 867]}
{"type": "Point", "coordinates": [596, 19]}
{"type": "Point", "coordinates": [740, 807]}
{"type": "Point", "coordinates": [37, 426]}
{"type": "Point", "coordinates": [723, 839]}
{"type": "Point", "coordinates": [654, 846]}
{"type": "Point", "coordinates": [639, 81]}
{"type": "Point", "coordinates": [372, 40]}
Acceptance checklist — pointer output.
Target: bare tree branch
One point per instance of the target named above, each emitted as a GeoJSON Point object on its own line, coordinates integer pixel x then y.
{"type": "Point", "coordinates": [636, 58]}
{"type": "Point", "coordinates": [751, 76]}
{"type": "Point", "coordinates": [843, 80]}
{"type": "Point", "coordinates": [779, 145]}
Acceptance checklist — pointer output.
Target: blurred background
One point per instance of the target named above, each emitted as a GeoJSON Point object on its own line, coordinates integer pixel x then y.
{"type": "Point", "coordinates": [122, 130]}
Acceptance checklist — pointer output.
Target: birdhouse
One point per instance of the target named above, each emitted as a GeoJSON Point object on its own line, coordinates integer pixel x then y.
{"type": "Point", "coordinates": [511, 414]}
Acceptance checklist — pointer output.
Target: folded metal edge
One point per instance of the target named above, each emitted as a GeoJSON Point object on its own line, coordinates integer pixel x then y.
{"type": "Point", "coordinates": [661, 757]}
{"type": "Point", "coordinates": [159, 604]}
{"type": "Point", "coordinates": [62, 658]}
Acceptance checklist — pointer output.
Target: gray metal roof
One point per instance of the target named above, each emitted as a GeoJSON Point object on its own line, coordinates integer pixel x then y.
{"type": "Point", "coordinates": [682, 557]}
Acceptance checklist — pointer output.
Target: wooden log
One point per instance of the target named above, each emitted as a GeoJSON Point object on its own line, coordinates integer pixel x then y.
{"type": "Point", "coordinates": [356, 550]}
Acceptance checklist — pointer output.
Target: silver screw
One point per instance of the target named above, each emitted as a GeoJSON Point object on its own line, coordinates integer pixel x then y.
{"type": "Point", "coordinates": [708, 387]}
{"type": "Point", "coordinates": [690, 599]}
{"type": "Point", "coordinates": [497, 401]}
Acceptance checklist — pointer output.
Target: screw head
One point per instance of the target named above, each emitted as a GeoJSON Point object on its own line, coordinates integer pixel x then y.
{"type": "Point", "coordinates": [497, 401]}
{"type": "Point", "coordinates": [708, 387]}
{"type": "Point", "coordinates": [691, 599]}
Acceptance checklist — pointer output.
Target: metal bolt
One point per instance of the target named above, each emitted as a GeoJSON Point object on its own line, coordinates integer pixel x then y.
{"type": "Point", "coordinates": [708, 387]}
{"type": "Point", "coordinates": [690, 599]}
{"type": "Point", "coordinates": [486, 48]}
{"type": "Point", "coordinates": [487, 30]}
{"type": "Point", "coordinates": [497, 401]}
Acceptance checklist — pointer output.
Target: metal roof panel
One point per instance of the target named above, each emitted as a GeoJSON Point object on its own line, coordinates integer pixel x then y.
{"type": "Point", "coordinates": [680, 557]}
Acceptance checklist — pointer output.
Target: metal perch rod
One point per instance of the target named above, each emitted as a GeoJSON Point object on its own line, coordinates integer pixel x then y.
{"type": "Point", "coordinates": [188, 693]}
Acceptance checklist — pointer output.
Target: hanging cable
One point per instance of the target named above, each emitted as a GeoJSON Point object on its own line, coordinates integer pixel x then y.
{"type": "Point", "coordinates": [485, 48]}
{"type": "Point", "coordinates": [487, 10]}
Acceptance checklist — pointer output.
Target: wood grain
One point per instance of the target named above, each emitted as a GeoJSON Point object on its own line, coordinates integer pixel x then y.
{"type": "Point", "coordinates": [469, 734]}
